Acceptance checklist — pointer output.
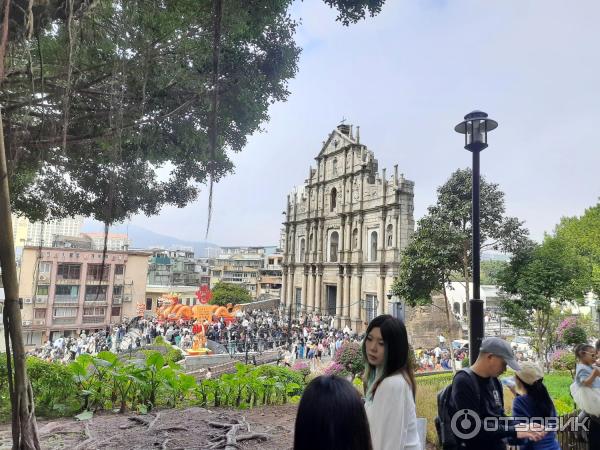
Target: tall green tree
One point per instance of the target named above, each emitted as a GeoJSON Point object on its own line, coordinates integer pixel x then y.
{"type": "Point", "coordinates": [498, 231]}
{"type": "Point", "coordinates": [224, 293]}
{"type": "Point", "coordinates": [427, 264]}
{"type": "Point", "coordinates": [112, 108]}
{"type": "Point", "coordinates": [539, 279]}
{"type": "Point", "coordinates": [583, 235]}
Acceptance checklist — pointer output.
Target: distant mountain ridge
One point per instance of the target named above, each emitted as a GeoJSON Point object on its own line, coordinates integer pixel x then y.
{"type": "Point", "coordinates": [142, 238]}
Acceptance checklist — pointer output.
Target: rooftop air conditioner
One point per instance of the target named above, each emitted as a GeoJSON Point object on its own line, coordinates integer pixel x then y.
{"type": "Point", "coordinates": [27, 300]}
{"type": "Point", "coordinates": [26, 323]}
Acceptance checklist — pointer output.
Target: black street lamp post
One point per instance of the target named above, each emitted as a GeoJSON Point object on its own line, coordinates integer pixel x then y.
{"type": "Point", "coordinates": [475, 128]}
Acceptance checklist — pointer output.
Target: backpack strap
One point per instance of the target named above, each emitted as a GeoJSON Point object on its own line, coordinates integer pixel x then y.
{"type": "Point", "coordinates": [475, 383]}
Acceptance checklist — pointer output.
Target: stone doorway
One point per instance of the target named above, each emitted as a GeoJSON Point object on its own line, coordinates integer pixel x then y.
{"type": "Point", "coordinates": [331, 300]}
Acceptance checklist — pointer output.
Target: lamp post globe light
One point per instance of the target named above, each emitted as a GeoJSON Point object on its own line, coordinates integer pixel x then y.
{"type": "Point", "coordinates": [475, 127]}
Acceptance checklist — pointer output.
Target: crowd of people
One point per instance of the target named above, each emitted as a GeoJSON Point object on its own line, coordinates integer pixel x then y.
{"type": "Point", "coordinates": [388, 421]}
{"type": "Point", "coordinates": [310, 335]}
{"type": "Point", "coordinates": [385, 418]}
{"type": "Point", "coordinates": [67, 348]}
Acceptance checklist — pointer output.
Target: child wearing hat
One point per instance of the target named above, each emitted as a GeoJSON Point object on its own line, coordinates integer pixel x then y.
{"type": "Point", "coordinates": [535, 402]}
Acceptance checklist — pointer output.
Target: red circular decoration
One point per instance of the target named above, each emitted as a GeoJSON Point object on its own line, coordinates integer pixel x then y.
{"type": "Point", "coordinates": [204, 294]}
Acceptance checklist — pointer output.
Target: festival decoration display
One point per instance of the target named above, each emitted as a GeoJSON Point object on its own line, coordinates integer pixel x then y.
{"type": "Point", "coordinates": [172, 310]}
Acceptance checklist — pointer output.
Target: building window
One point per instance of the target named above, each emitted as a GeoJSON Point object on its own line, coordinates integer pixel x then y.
{"type": "Point", "coordinates": [94, 311]}
{"type": "Point", "coordinates": [371, 306]}
{"type": "Point", "coordinates": [96, 272]}
{"type": "Point", "coordinates": [115, 311]}
{"type": "Point", "coordinates": [302, 249]}
{"type": "Point", "coordinates": [333, 200]}
{"type": "Point", "coordinates": [310, 243]}
{"type": "Point", "coordinates": [67, 291]}
{"type": "Point", "coordinates": [117, 290]}
{"type": "Point", "coordinates": [334, 241]}
{"type": "Point", "coordinates": [389, 235]}
{"type": "Point", "coordinates": [65, 312]}
{"type": "Point", "coordinates": [42, 290]}
{"type": "Point", "coordinates": [68, 271]}
{"type": "Point", "coordinates": [298, 301]}
{"type": "Point", "coordinates": [119, 269]}
{"type": "Point", "coordinates": [373, 256]}
{"type": "Point", "coordinates": [334, 170]}
{"type": "Point", "coordinates": [355, 238]}
{"type": "Point", "coordinates": [39, 314]}
{"type": "Point", "coordinates": [45, 267]}
{"type": "Point", "coordinates": [95, 293]}
{"type": "Point", "coordinates": [33, 338]}
{"type": "Point", "coordinates": [456, 308]}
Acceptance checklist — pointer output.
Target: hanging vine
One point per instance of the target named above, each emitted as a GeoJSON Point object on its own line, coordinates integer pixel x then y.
{"type": "Point", "coordinates": [213, 131]}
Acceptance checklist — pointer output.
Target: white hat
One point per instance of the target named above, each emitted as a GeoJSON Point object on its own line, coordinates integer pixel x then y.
{"type": "Point", "coordinates": [530, 372]}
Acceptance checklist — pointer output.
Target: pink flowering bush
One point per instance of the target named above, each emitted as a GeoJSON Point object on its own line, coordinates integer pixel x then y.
{"type": "Point", "coordinates": [350, 357]}
{"type": "Point", "coordinates": [302, 367]}
{"type": "Point", "coordinates": [570, 332]}
{"type": "Point", "coordinates": [563, 360]}
{"type": "Point", "coordinates": [336, 369]}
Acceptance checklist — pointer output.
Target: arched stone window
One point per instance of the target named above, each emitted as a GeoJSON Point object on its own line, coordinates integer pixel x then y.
{"type": "Point", "coordinates": [355, 238]}
{"type": "Point", "coordinates": [310, 243]}
{"type": "Point", "coordinates": [302, 249]}
{"type": "Point", "coordinates": [373, 246]}
{"type": "Point", "coordinates": [389, 235]}
{"type": "Point", "coordinates": [457, 308]}
{"type": "Point", "coordinates": [334, 241]}
{"type": "Point", "coordinates": [464, 309]}
{"type": "Point", "coordinates": [333, 199]}
{"type": "Point", "coordinates": [334, 165]}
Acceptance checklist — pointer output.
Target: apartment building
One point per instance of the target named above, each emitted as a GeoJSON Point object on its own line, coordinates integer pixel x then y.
{"type": "Point", "coordinates": [68, 290]}
{"type": "Point", "coordinates": [270, 277]}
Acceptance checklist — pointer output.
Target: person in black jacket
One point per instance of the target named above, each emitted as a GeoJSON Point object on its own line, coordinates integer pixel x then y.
{"type": "Point", "coordinates": [474, 403]}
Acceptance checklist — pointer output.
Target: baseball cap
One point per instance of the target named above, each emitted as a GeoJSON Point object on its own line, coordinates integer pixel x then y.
{"type": "Point", "coordinates": [530, 372]}
{"type": "Point", "coordinates": [499, 347]}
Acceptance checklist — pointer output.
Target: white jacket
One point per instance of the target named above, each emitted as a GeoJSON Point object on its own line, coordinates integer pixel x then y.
{"type": "Point", "coordinates": [392, 416]}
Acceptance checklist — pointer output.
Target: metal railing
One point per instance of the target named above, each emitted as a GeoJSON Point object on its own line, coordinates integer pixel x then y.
{"type": "Point", "coordinates": [63, 320]}
{"type": "Point", "coordinates": [93, 319]}
{"type": "Point", "coordinates": [65, 299]}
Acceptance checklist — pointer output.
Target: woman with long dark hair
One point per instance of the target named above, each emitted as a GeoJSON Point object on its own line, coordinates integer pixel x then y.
{"type": "Point", "coordinates": [331, 416]}
{"type": "Point", "coordinates": [390, 386]}
{"type": "Point", "coordinates": [534, 402]}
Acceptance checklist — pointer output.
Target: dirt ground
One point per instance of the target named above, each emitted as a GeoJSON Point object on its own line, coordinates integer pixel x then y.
{"type": "Point", "coordinates": [173, 429]}
{"type": "Point", "coordinates": [166, 429]}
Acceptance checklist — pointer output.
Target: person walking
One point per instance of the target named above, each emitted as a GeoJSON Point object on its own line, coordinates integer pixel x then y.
{"type": "Point", "coordinates": [390, 386]}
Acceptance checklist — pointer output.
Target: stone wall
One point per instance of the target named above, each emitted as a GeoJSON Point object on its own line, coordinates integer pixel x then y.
{"type": "Point", "coordinates": [425, 323]}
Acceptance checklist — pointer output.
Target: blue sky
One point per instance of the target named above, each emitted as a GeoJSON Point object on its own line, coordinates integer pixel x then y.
{"type": "Point", "coordinates": [407, 77]}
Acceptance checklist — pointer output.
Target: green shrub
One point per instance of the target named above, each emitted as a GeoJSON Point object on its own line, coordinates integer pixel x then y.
{"type": "Point", "coordinates": [465, 362]}
{"type": "Point", "coordinates": [53, 388]}
{"type": "Point", "coordinates": [574, 335]}
{"type": "Point", "coordinates": [564, 361]}
{"type": "Point", "coordinates": [4, 395]}
{"type": "Point", "coordinates": [173, 355]}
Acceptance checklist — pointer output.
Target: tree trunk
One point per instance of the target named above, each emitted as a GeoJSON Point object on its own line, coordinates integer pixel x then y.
{"type": "Point", "coordinates": [24, 427]}
{"type": "Point", "coordinates": [449, 323]}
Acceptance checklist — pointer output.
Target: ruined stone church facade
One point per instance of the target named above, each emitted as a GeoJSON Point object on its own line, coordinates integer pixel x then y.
{"type": "Point", "coordinates": [345, 228]}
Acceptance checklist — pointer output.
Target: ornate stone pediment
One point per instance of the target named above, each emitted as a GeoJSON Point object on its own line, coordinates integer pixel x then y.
{"type": "Point", "coordinates": [334, 142]}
